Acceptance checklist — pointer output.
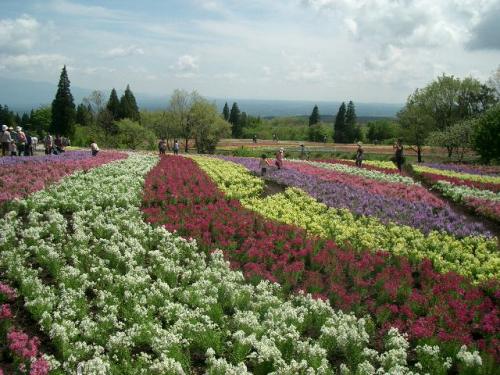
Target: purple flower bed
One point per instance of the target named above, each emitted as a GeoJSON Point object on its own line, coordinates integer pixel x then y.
{"type": "Point", "coordinates": [463, 168]}
{"type": "Point", "coordinates": [42, 159]}
{"type": "Point", "coordinates": [339, 195]}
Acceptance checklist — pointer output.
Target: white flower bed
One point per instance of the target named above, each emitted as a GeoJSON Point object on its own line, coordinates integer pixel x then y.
{"type": "Point", "coordinates": [119, 296]}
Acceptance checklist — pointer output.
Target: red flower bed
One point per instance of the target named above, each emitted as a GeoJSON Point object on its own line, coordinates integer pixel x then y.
{"type": "Point", "coordinates": [433, 178]}
{"type": "Point", "coordinates": [23, 178]}
{"type": "Point", "coordinates": [22, 352]}
{"type": "Point", "coordinates": [484, 207]}
{"type": "Point", "coordinates": [414, 298]}
{"type": "Point", "coordinates": [413, 193]}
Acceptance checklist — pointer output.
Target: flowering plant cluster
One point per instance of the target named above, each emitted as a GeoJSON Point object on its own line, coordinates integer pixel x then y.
{"type": "Point", "coordinates": [375, 165]}
{"type": "Point", "coordinates": [393, 291]}
{"type": "Point", "coordinates": [119, 296]}
{"type": "Point", "coordinates": [480, 193]}
{"type": "Point", "coordinates": [20, 349]}
{"type": "Point", "coordinates": [486, 170]}
{"type": "Point", "coordinates": [22, 176]}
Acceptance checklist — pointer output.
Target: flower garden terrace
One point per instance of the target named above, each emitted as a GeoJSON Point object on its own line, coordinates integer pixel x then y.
{"type": "Point", "coordinates": [111, 293]}
{"type": "Point", "coordinates": [358, 263]}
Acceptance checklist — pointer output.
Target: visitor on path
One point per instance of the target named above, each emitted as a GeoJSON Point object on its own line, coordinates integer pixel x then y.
{"type": "Point", "coordinates": [279, 158]}
{"type": "Point", "coordinates": [254, 138]}
{"type": "Point", "coordinates": [13, 148]}
{"type": "Point", "coordinates": [398, 156]}
{"type": "Point", "coordinates": [21, 140]}
{"type": "Point", "coordinates": [5, 138]}
{"type": "Point", "coordinates": [48, 143]}
{"type": "Point", "coordinates": [28, 150]}
{"type": "Point", "coordinates": [162, 146]}
{"type": "Point", "coordinates": [263, 164]}
{"type": "Point", "coordinates": [359, 154]}
{"type": "Point", "coordinates": [59, 144]}
{"type": "Point", "coordinates": [176, 147]}
{"type": "Point", "coordinates": [94, 148]}
{"type": "Point", "coordinates": [303, 154]}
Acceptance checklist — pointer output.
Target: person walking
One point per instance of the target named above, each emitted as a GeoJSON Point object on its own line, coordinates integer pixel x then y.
{"type": "Point", "coordinates": [359, 154]}
{"type": "Point", "coordinates": [398, 155]}
{"type": "Point", "coordinates": [28, 150]}
{"type": "Point", "coordinates": [59, 144]}
{"type": "Point", "coordinates": [263, 164]}
{"type": "Point", "coordinates": [162, 146]}
{"type": "Point", "coordinates": [5, 138]}
{"type": "Point", "coordinates": [48, 143]}
{"type": "Point", "coordinates": [279, 158]}
{"type": "Point", "coordinates": [176, 147]}
{"type": "Point", "coordinates": [21, 140]}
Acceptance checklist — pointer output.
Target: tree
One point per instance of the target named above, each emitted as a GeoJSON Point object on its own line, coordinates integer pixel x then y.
{"type": "Point", "coordinates": [41, 119]}
{"type": "Point", "coordinates": [128, 106]}
{"type": "Point", "coordinates": [162, 124]}
{"type": "Point", "coordinates": [234, 120]}
{"type": "Point", "coordinates": [243, 121]}
{"type": "Point", "coordinates": [113, 104]}
{"type": "Point", "coordinates": [352, 134]}
{"type": "Point", "coordinates": [381, 130]}
{"type": "Point", "coordinates": [319, 132]}
{"type": "Point", "coordinates": [416, 123]}
{"type": "Point", "coordinates": [63, 108]}
{"type": "Point", "coordinates": [25, 121]}
{"type": "Point", "coordinates": [207, 126]}
{"type": "Point", "coordinates": [225, 112]}
{"type": "Point", "coordinates": [178, 114]}
{"type": "Point", "coordinates": [339, 128]}
{"type": "Point", "coordinates": [7, 117]}
{"type": "Point", "coordinates": [94, 102]}
{"type": "Point", "coordinates": [314, 118]}
{"type": "Point", "coordinates": [457, 137]}
{"type": "Point", "coordinates": [131, 134]}
{"type": "Point", "coordinates": [84, 115]}
{"type": "Point", "coordinates": [487, 135]}
{"type": "Point", "coordinates": [494, 82]}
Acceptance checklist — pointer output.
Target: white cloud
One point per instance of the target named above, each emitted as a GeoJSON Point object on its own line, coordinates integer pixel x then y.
{"type": "Point", "coordinates": [124, 51]}
{"type": "Point", "coordinates": [186, 66]}
{"type": "Point", "coordinates": [307, 72]}
{"type": "Point", "coordinates": [75, 9]}
{"type": "Point", "coordinates": [18, 35]}
{"type": "Point", "coordinates": [267, 71]}
{"type": "Point", "coordinates": [24, 61]}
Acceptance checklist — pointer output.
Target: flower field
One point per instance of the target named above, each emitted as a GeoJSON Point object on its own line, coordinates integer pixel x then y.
{"type": "Point", "coordinates": [181, 266]}
{"type": "Point", "coordinates": [477, 188]}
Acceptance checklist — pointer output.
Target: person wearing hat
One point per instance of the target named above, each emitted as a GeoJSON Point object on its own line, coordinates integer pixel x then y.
{"type": "Point", "coordinates": [5, 139]}
{"type": "Point", "coordinates": [302, 151]}
{"type": "Point", "coordinates": [279, 158]}
{"type": "Point", "coordinates": [359, 154]}
{"type": "Point", "coordinates": [21, 140]}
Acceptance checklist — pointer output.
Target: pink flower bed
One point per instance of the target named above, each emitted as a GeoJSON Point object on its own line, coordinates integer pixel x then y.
{"type": "Point", "coordinates": [20, 179]}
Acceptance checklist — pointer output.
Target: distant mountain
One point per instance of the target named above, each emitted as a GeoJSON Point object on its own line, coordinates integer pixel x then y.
{"type": "Point", "coordinates": [22, 96]}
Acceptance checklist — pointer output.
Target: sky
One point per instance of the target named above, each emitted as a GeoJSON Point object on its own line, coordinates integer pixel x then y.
{"type": "Point", "coordinates": [364, 50]}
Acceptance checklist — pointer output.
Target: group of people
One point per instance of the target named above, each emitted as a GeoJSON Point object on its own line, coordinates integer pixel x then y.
{"type": "Point", "coordinates": [398, 154]}
{"type": "Point", "coordinates": [55, 146]}
{"type": "Point", "coordinates": [265, 164]}
{"type": "Point", "coordinates": [16, 142]}
{"type": "Point", "coordinates": [162, 147]}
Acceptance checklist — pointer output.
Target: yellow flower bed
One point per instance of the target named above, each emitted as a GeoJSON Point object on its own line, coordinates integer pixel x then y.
{"type": "Point", "coordinates": [463, 176]}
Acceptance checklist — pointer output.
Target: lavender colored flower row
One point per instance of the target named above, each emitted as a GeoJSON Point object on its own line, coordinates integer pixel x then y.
{"type": "Point", "coordinates": [462, 168]}
{"type": "Point", "coordinates": [42, 159]}
{"type": "Point", "coordinates": [415, 214]}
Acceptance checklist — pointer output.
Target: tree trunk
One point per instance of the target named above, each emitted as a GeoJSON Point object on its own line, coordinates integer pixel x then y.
{"type": "Point", "coordinates": [186, 146]}
{"type": "Point", "coordinates": [419, 154]}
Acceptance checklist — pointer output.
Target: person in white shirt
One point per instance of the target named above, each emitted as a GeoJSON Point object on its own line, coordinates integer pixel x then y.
{"type": "Point", "coordinates": [94, 148]}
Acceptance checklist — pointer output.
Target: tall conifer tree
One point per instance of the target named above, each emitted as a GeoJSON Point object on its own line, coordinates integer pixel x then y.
{"type": "Point", "coordinates": [128, 106]}
{"type": "Point", "coordinates": [314, 118]}
{"type": "Point", "coordinates": [63, 108]}
{"type": "Point", "coordinates": [350, 123]}
{"type": "Point", "coordinates": [339, 127]}
{"type": "Point", "coordinates": [113, 105]}
{"type": "Point", "coordinates": [225, 112]}
{"type": "Point", "coordinates": [234, 120]}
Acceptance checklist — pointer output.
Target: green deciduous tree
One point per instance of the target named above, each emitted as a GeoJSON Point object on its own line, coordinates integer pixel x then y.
{"type": "Point", "coordinates": [63, 108]}
{"type": "Point", "coordinates": [457, 137]}
{"type": "Point", "coordinates": [381, 130]}
{"type": "Point", "coordinates": [314, 118]}
{"type": "Point", "coordinates": [113, 104]}
{"type": "Point", "coordinates": [130, 134]}
{"type": "Point", "coordinates": [207, 126]}
{"type": "Point", "coordinates": [128, 106]}
{"type": "Point", "coordinates": [84, 115]}
{"type": "Point", "coordinates": [319, 132]}
{"type": "Point", "coordinates": [225, 112]}
{"type": "Point", "coordinates": [339, 128]}
{"type": "Point", "coordinates": [40, 120]}
{"type": "Point", "coordinates": [487, 135]}
{"type": "Point", "coordinates": [234, 120]}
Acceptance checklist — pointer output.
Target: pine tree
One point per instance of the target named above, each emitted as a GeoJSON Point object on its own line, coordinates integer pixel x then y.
{"type": "Point", "coordinates": [128, 106]}
{"type": "Point", "coordinates": [113, 105]}
{"type": "Point", "coordinates": [243, 120]}
{"type": "Point", "coordinates": [83, 115]}
{"type": "Point", "coordinates": [314, 118]}
{"type": "Point", "coordinates": [225, 112]}
{"type": "Point", "coordinates": [234, 120]}
{"type": "Point", "coordinates": [25, 121]}
{"type": "Point", "coordinates": [350, 123]}
{"type": "Point", "coordinates": [339, 127]}
{"type": "Point", "coordinates": [63, 108]}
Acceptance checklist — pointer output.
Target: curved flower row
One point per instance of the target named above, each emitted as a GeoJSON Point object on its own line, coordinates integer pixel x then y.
{"type": "Point", "coordinates": [30, 174]}
{"type": "Point", "coordinates": [362, 172]}
{"type": "Point", "coordinates": [389, 203]}
{"type": "Point", "coordinates": [463, 176]}
{"type": "Point", "coordinates": [394, 292]}
{"type": "Point", "coordinates": [375, 165]}
{"type": "Point", "coordinates": [486, 186]}
{"type": "Point", "coordinates": [464, 168]}
{"type": "Point", "coordinates": [118, 296]}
